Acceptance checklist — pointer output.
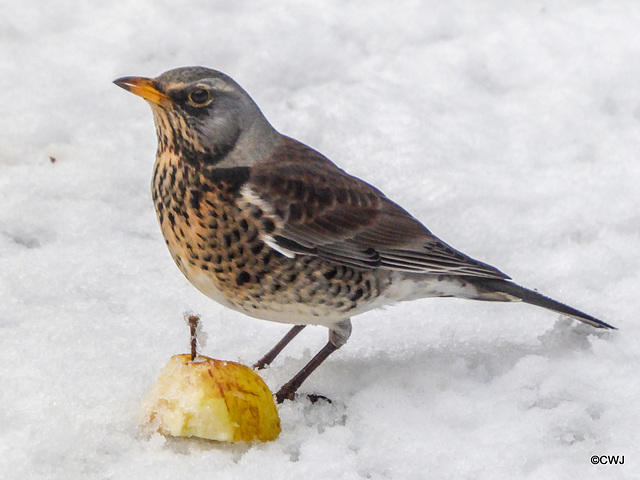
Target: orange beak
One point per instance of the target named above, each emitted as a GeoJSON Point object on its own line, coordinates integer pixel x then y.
{"type": "Point", "coordinates": [143, 87]}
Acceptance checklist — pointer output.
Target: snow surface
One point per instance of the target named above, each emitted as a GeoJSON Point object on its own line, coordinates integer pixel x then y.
{"type": "Point", "coordinates": [512, 129]}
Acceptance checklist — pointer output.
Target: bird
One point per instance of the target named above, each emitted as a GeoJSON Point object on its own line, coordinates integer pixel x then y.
{"type": "Point", "coordinates": [267, 226]}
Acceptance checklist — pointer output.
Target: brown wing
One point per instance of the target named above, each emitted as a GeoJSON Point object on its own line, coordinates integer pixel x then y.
{"type": "Point", "coordinates": [325, 212]}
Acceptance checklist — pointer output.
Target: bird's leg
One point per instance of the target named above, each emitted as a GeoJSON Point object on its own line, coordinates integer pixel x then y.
{"type": "Point", "coordinates": [273, 353]}
{"type": "Point", "coordinates": [338, 336]}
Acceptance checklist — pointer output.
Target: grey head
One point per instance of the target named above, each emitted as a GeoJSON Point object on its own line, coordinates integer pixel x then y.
{"type": "Point", "coordinates": [203, 113]}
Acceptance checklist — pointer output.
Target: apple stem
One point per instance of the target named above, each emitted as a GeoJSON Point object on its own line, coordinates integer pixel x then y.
{"type": "Point", "coordinates": [193, 327]}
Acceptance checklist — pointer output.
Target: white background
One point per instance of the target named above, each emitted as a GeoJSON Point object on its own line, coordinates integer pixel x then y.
{"type": "Point", "coordinates": [511, 129]}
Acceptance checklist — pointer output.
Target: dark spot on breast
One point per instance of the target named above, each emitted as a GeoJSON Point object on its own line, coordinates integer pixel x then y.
{"type": "Point", "coordinates": [267, 225]}
{"type": "Point", "coordinates": [357, 295]}
{"type": "Point", "coordinates": [242, 278]}
{"type": "Point", "coordinates": [292, 277]}
{"type": "Point", "coordinates": [227, 240]}
{"type": "Point", "coordinates": [330, 274]}
{"type": "Point", "coordinates": [194, 200]}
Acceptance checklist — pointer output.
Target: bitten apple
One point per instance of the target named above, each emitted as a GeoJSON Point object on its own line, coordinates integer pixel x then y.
{"type": "Point", "coordinates": [212, 399]}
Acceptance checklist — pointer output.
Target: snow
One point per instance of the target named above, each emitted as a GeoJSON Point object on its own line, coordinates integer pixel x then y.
{"type": "Point", "coordinates": [510, 128]}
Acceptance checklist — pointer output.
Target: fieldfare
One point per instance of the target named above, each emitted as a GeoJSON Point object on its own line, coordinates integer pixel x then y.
{"type": "Point", "coordinates": [267, 226]}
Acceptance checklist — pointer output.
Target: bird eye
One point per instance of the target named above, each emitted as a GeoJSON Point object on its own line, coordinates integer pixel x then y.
{"type": "Point", "coordinates": [199, 96]}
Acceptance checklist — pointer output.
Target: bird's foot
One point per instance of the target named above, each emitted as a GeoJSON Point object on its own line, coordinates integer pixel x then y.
{"type": "Point", "coordinates": [285, 393]}
{"type": "Point", "coordinates": [314, 398]}
{"type": "Point", "coordinates": [260, 365]}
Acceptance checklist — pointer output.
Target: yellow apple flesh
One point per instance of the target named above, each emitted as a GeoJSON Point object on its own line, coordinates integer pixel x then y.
{"type": "Point", "coordinates": [212, 399]}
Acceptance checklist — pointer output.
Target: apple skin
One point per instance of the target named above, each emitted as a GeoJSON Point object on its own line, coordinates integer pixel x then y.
{"type": "Point", "coordinates": [212, 399]}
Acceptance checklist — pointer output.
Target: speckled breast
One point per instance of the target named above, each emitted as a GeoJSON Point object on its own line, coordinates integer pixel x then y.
{"type": "Point", "coordinates": [218, 247]}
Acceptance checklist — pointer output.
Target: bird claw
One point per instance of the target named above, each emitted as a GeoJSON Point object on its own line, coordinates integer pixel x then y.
{"type": "Point", "coordinates": [283, 394]}
{"type": "Point", "coordinates": [315, 398]}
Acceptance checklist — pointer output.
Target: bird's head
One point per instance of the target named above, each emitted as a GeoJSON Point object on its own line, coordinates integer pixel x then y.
{"type": "Point", "coordinates": [204, 114]}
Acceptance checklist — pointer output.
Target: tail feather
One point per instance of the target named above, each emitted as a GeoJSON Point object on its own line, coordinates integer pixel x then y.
{"type": "Point", "coordinates": [534, 298]}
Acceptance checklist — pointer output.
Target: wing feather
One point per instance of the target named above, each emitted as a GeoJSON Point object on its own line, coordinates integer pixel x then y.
{"type": "Point", "coordinates": [321, 210]}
